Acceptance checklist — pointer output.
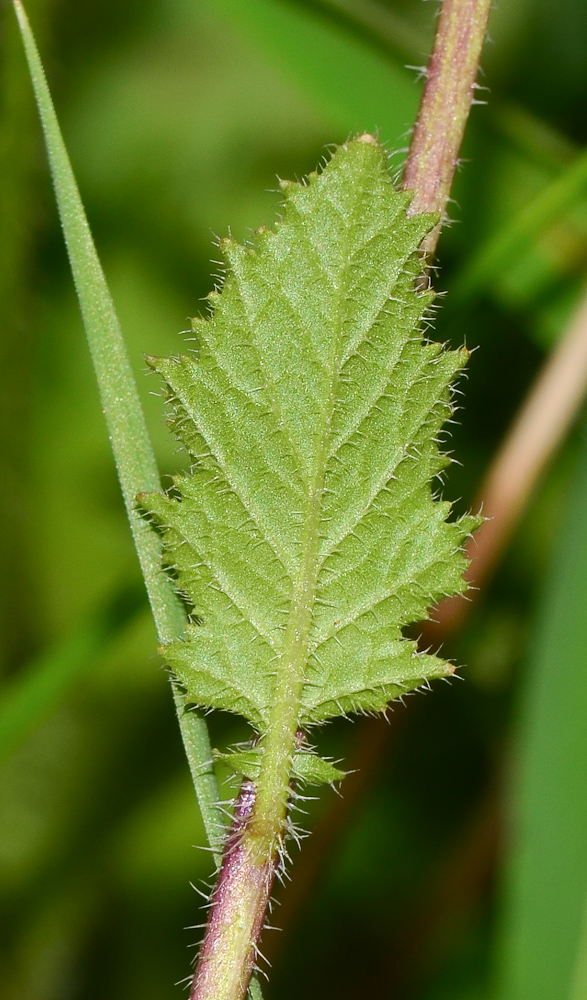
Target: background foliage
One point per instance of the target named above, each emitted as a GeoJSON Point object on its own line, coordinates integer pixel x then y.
{"type": "Point", "coordinates": [178, 116]}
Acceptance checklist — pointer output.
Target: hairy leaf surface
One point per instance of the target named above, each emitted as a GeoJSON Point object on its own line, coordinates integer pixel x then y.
{"type": "Point", "coordinates": [311, 410]}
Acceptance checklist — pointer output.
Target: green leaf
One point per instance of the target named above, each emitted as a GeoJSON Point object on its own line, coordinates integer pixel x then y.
{"type": "Point", "coordinates": [544, 926]}
{"type": "Point", "coordinates": [306, 531]}
{"type": "Point", "coordinates": [314, 769]}
{"type": "Point", "coordinates": [306, 767]}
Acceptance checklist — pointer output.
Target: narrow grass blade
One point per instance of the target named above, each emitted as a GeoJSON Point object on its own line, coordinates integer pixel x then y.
{"type": "Point", "coordinates": [132, 449]}
{"type": "Point", "coordinates": [133, 453]}
{"type": "Point", "coordinates": [46, 683]}
{"type": "Point", "coordinates": [546, 884]}
{"type": "Point", "coordinates": [503, 250]}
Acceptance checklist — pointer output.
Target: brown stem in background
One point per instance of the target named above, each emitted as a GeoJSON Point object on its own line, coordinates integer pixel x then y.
{"type": "Point", "coordinates": [446, 102]}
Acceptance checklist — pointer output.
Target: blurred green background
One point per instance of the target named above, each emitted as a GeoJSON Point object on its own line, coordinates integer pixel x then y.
{"type": "Point", "coordinates": [461, 869]}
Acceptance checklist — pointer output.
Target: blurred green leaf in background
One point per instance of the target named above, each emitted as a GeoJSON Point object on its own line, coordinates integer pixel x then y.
{"type": "Point", "coordinates": [178, 117]}
{"type": "Point", "coordinates": [542, 935]}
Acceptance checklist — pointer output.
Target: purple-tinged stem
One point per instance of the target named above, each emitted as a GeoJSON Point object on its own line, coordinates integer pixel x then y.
{"type": "Point", "coordinates": [237, 912]}
{"type": "Point", "coordinates": [448, 95]}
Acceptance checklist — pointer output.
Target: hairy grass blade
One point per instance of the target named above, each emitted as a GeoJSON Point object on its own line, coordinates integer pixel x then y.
{"type": "Point", "coordinates": [133, 453]}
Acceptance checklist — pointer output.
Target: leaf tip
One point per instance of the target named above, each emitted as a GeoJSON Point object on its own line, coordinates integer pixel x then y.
{"type": "Point", "coordinates": [368, 139]}
{"type": "Point", "coordinates": [23, 22]}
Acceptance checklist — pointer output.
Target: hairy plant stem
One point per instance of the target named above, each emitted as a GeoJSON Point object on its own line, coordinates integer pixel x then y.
{"type": "Point", "coordinates": [446, 102]}
{"type": "Point", "coordinates": [238, 909]}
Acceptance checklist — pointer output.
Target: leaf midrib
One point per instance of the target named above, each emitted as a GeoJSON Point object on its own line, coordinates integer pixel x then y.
{"type": "Point", "coordinates": [279, 745]}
